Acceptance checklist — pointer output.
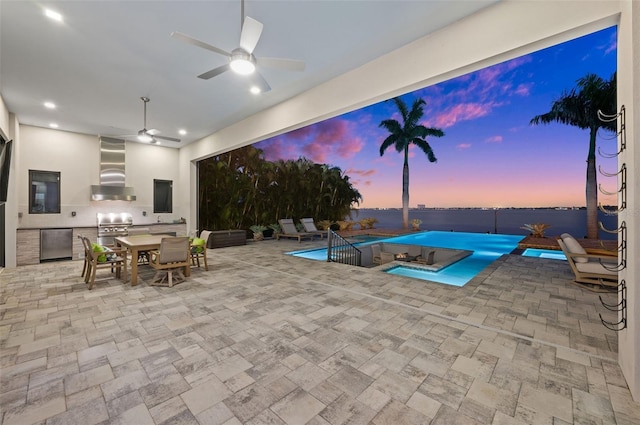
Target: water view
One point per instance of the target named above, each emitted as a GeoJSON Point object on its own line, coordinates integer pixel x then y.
{"type": "Point", "coordinates": [506, 221]}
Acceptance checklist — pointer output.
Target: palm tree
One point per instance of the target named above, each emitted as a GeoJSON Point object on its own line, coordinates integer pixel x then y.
{"type": "Point", "coordinates": [579, 108]}
{"type": "Point", "coordinates": [402, 136]}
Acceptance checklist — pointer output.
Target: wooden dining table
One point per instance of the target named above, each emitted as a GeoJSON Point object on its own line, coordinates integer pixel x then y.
{"type": "Point", "coordinates": [137, 243]}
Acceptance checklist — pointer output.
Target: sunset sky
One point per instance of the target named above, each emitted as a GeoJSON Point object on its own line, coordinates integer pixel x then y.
{"type": "Point", "coordinates": [490, 156]}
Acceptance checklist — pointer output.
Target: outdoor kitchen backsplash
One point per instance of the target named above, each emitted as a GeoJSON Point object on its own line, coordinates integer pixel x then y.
{"type": "Point", "coordinates": [86, 216]}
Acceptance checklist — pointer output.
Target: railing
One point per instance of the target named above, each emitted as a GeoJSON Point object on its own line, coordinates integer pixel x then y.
{"type": "Point", "coordinates": [340, 250]}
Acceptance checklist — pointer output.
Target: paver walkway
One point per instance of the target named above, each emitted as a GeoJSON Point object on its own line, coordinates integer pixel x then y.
{"type": "Point", "coordinates": [266, 338]}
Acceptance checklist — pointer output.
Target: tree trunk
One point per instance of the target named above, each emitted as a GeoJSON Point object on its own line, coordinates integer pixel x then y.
{"type": "Point", "coordinates": [592, 189]}
{"type": "Point", "coordinates": [405, 196]}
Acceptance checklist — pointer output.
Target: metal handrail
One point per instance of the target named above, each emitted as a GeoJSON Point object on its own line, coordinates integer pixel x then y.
{"type": "Point", "coordinates": [340, 250]}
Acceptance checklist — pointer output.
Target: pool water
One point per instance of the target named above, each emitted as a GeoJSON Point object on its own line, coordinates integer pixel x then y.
{"type": "Point", "coordinates": [553, 254]}
{"type": "Point", "coordinates": [486, 249]}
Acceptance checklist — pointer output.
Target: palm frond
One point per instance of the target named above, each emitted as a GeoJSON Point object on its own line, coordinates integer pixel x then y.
{"type": "Point", "coordinates": [402, 107]}
{"type": "Point", "coordinates": [425, 147]}
{"type": "Point", "coordinates": [389, 141]}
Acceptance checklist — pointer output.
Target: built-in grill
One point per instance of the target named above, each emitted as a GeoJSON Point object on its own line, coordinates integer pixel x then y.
{"type": "Point", "coordinates": [112, 225]}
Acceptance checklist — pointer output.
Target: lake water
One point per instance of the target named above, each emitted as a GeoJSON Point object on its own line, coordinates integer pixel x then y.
{"type": "Point", "coordinates": [505, 221]}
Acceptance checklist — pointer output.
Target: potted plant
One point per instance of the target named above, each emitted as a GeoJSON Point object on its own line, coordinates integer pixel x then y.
{"type": "Point", "coordinates": [324, 224]}
{"type": "Point", "coordinates": [415, 223]}
{"type": "Point", "coordinates": [536, 229]}
{"type": "Point", "coordinates": [257, 232]}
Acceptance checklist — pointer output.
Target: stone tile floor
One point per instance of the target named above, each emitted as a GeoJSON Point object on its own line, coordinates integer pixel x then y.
{"type": "Point", "coordinates": [266, 338]}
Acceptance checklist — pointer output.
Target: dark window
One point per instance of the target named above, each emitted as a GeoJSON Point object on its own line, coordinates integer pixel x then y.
{"type": "Point", "coordinates": [162, 198]}
{"type": "Point", "coordinates": [44, 192]}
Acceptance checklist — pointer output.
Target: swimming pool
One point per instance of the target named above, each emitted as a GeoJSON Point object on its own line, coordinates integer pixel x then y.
{"type": "Point", "coordinates": [554, 254]}
{"type": "Point", "coordinates": [486, 249]}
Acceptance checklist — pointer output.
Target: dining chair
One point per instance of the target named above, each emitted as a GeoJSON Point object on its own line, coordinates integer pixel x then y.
{"type": "Point", "coordinates": [114, 259]}
{"type": "Point", "coordinates": [172, 257]}
{"type": "Point", "coordinates": [87, 258]}
{"type": "Point", "coordinates": [200, 251]}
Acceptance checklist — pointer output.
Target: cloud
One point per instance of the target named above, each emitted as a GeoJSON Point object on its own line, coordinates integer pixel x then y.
{"type": "Point", "coordinates": [314, 152]}
{"type": "Point", "coordinates": [611, 46]}
{"type": "Point", "coordinates": [463, 112]}
{"type": "Point", "coordinates": [494, 139]}
{"type": "Point", "coordinates": [277, 148]}
{"type": "Point", "coordinates": [523, 89]}
{"type": "Point", "coordinates": [336, 138]}
{"type": "Point", "coordinates": [462, 146]}
{"type": "Point", "coordinates": [361, 173]}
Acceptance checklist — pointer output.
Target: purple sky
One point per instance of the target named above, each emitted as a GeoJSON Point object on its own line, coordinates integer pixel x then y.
{"type": "Point", "coordinates": [490, 156]}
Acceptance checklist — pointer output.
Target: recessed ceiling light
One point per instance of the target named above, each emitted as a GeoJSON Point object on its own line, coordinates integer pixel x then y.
{"type": "Point", "coordinates": [53, 15]}
{"type": "Point", "coordinates": [49, 105]}
{"type": "Point", "coordinates": [53, 125]}
{"type": "Point", "coordinates": [255, 90]}
{"type": "Point", "coordinates": [182, 132]}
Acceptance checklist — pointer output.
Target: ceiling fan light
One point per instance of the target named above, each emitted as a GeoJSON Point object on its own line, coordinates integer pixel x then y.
{"type": "Point", "coordinates": [242, 66]}
{"type": "Point", "coordinates": [145, 138]}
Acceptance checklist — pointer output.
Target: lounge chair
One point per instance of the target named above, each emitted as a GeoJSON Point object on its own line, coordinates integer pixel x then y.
{"type": "Point", "coordinates": [310, 227]}
{"type": "Point", "coordinates": [591, 269]}
{"type": "Point", "coordinates": [289, 231]}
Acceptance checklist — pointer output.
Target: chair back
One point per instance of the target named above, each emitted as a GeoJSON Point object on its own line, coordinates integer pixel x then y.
{"type": "Point", "coordinates": [287, 226]}
{"type": "Point", "coordinates": [205, 235]}
{"type": "Point", "coordinates": [375, 250]}
{"type": "Point", "coordinates": [174, 250]}
{"type": "Point", "coordinates": [308, 224]}
{"type": "Point", "coordinates": [88, 248]}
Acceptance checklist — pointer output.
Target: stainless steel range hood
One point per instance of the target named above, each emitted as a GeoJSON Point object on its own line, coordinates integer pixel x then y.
{"type": "Point", "coordinates": [112, 177]}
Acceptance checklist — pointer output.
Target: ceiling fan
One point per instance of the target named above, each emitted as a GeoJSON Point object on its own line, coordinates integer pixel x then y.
{"type": "Point", "coordinates": [241, 59]}
{"type": "Point", "coordinates": [151, 135]}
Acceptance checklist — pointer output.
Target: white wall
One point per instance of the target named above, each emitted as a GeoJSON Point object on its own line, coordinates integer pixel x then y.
{"type": "Point", "coordinates": [501, 32]}
{"type": "Point", "coordinates": [4, 119]}
{"type": "Point", "coordinates": [629, 96]}
{"type": "Point", "coordinates": [77, 157]}
{"type": "Point", "coordinates": [10, 129]}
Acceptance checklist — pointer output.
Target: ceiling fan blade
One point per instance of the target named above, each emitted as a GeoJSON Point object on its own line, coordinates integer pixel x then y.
{"type": "Point", "coordinates": [258, 81]}
{"type": "Point", "coordinates": [196, 42]}
{"type": "Point", "coordinates": [170, 139]}
{"type": "Point", "coordinates": [280, 63]}
{"type": "Point", "coordinates": [215, 71]}
{"type": "Point", "coordinates": [251, 31]}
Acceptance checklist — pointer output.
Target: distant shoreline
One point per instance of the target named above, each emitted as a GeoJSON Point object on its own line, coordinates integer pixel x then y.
{"type": "Point", "coordinates": [507, 220]}
{"type": "Point", "coordinates": [612, 207]}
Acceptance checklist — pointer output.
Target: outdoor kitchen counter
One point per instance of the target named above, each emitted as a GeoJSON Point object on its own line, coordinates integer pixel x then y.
{"type": "Point", "coordinates": [28, 239]}
{"type": "Point", "coordinates": [180, 229]}
{"type": "Point", "coordinates": [28, 243]}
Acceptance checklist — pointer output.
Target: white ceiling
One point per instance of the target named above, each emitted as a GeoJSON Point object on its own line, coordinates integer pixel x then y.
{"type": "Point", "coordinates": [105, 55]}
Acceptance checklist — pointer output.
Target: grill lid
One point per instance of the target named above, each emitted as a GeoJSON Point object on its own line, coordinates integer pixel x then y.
{"type": "Point", "coordinates": [114, 219]}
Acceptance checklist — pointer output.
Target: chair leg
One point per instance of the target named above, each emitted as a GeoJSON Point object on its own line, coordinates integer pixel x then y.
{"type": "Point", "coordinates": [93, 278]}
{"type": "Point", "coordinates": [87, 275]}
{"type": "Point", "coordinates": [204, 258]}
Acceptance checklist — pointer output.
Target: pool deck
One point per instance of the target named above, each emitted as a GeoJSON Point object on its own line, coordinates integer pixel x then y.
{"type": "Point", "coordinates": [268, 338]}
{"type": "Point", "coordinates": [594, 246]}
